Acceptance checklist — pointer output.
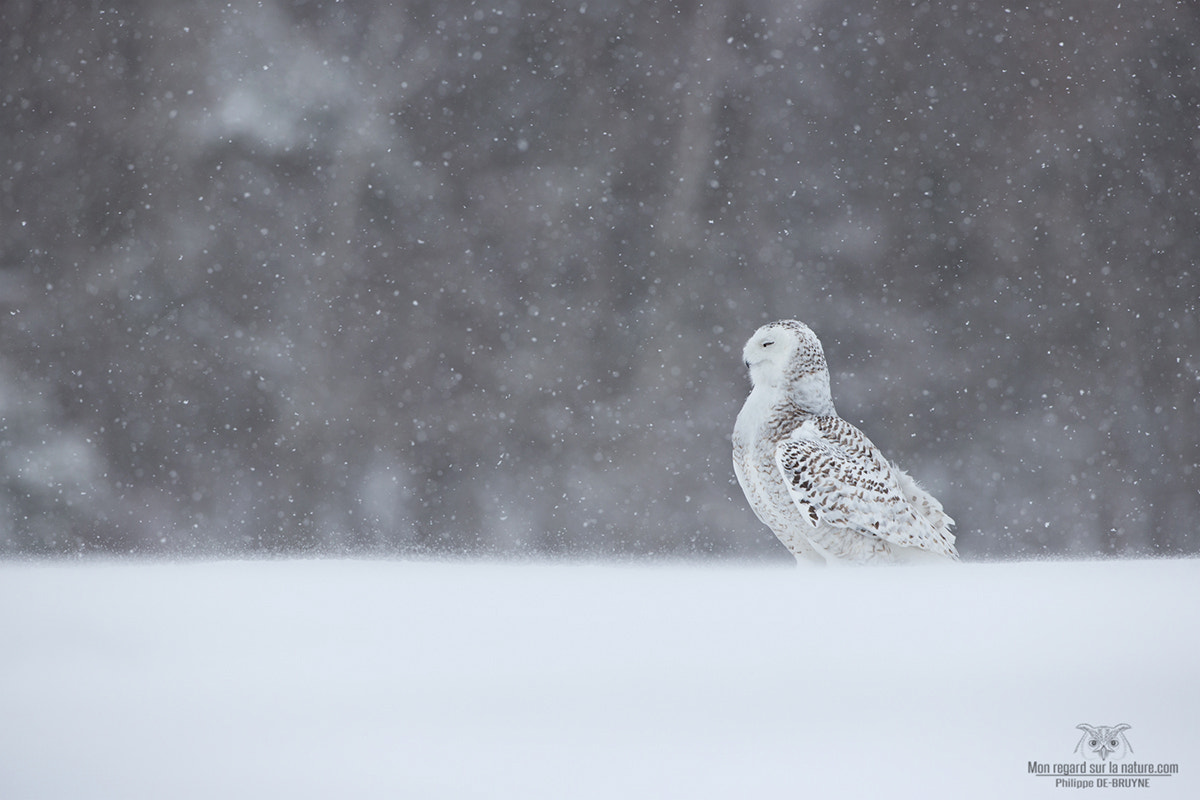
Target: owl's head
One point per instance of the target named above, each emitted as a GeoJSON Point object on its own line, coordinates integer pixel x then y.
{"type": "Point", "coordinates": [787, 355]}
{"type": "Point", "coordinates": [1103, 742]}
{"type": "Point", "coordinates": [782, 347]}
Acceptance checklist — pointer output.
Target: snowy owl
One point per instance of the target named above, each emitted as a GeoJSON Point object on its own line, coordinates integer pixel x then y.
{"type": "Point", "coordinates": [814, 479]}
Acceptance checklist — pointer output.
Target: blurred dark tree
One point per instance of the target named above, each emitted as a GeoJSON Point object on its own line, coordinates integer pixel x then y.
{"type": "Point", "coordinates": [466, 277]}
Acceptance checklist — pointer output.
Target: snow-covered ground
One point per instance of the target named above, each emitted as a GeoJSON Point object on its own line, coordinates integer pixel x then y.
{"type": "Point", "coordinates": [394, 679]}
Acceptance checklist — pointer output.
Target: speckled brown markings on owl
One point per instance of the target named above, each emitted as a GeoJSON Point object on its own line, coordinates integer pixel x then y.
{"type": "Point", "coordinates": [814, 479]}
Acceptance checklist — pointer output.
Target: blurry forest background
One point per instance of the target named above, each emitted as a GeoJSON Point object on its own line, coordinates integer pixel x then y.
{"type": "Point", "coordinates": [474, 277]}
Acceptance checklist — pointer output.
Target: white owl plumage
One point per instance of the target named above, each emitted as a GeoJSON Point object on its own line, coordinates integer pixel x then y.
{"type": "Point", "coordinates": [816, 480]}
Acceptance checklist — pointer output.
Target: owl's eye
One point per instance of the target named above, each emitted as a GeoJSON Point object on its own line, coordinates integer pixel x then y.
{"type": "Point", "coordinates": [767, 344]}
{"type": "Point", "coordinates": [1093, 742]}
{"type": "Point", "coordinates": [1112, 743]}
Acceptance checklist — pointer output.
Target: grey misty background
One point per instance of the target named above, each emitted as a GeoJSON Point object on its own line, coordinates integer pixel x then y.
{"type": "Point", "coordinates": [475, 277]}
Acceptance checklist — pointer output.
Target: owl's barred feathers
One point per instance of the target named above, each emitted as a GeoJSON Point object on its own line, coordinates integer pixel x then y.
{"type": "Point", "coordinates": [821, 486]}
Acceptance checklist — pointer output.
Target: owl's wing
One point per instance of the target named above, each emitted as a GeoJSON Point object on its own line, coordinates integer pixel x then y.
{"type": "Point", "coordinates": [836, 476]}
{"type": "Point", "coordinates": [924, 502]}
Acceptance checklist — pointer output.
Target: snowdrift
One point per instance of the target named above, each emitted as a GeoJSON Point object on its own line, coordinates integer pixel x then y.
{"type": "Point", "coordinates": [361, 679]}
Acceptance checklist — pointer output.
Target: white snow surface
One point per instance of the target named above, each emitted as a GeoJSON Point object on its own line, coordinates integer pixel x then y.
{"type": "Point", "coordinates": [420, 679]}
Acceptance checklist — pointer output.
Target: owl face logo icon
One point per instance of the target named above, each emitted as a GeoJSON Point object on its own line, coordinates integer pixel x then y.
{"type": "Point", "coordinates": [1102, 742]}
